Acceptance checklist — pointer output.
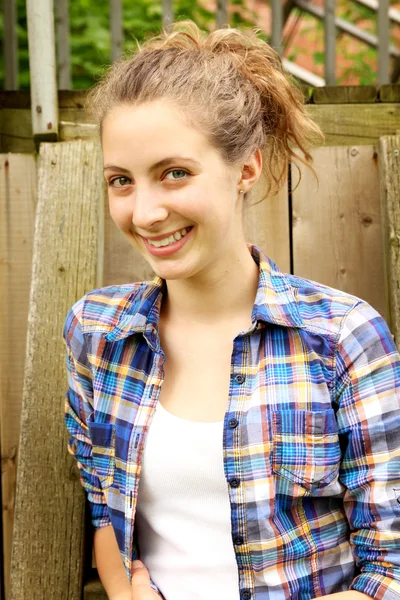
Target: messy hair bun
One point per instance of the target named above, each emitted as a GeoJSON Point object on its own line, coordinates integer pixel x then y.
{"type": "Point", "coordinates": [230, 83]}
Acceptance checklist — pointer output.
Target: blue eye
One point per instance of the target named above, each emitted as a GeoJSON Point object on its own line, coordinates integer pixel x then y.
{"type": "Point", "coordinates": [178, 171]}
{"type": "Point", "coordinates": [111, 183]}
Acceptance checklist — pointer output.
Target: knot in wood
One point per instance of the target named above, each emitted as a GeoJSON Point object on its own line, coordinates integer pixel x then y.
{"type": "Point", "coordinates": [366, 220]}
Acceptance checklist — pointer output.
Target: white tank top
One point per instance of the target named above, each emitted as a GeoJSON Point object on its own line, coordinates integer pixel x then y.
{"type": "Point", "coordinates": [183, 513]}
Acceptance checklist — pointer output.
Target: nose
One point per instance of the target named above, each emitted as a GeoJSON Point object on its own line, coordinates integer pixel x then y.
{"type": "Point", "coordinates": [148, 209]}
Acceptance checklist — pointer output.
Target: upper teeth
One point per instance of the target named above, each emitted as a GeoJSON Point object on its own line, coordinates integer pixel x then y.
{"type": "Point", "coordinates": [169, 240]}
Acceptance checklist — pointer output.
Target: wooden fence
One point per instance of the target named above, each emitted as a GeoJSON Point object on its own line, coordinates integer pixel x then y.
{"type": "Point", "coordinates": [344, 233]}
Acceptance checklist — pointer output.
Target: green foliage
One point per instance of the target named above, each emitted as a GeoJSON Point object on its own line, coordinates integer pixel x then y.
{"type": "Point", "coordinates": [90, 35]}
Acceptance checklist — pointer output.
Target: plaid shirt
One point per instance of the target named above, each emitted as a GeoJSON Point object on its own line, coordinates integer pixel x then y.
{"type": "Point", "coordinates": [311, 434]}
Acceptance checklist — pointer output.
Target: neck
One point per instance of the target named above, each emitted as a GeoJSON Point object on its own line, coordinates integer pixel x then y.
{"type": "Point", "coordinates": [224, 292]}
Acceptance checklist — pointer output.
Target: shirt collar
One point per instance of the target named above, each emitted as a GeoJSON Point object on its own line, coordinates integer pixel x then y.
{"type": "Point", "coordinates": [274, 303]}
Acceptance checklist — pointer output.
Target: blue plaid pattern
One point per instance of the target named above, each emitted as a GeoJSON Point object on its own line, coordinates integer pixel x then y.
{"type": "Point", "coordinates": [311, 433]}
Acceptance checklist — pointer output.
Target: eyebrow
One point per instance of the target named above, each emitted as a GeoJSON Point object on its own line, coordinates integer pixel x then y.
{"type": "Point", "coordinates": [157, 165]}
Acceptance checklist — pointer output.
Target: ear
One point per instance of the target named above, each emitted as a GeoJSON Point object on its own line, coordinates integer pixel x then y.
{"type": "Point", "coordinates": [251, 171]}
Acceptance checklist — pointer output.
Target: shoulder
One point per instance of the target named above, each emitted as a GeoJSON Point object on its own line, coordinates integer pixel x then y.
{"type": "Point", "coordinates": [102, 308]}
{"type": "Point", "coordinates": [326, 309]}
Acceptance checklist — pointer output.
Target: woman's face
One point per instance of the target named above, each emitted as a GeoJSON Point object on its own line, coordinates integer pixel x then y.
{"type": "Point", "coordinates": [170, 192]}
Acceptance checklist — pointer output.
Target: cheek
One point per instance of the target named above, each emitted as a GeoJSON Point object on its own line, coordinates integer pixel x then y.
{"type": "Point", "coordinates": [119, 215]}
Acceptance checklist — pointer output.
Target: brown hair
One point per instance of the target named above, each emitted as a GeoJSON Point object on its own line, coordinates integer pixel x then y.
{"type": "Point", "coordinates": [230, 83]}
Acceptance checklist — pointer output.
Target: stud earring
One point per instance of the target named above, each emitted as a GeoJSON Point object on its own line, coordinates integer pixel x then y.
{"type": "Point", "coordinates": [241, 191]}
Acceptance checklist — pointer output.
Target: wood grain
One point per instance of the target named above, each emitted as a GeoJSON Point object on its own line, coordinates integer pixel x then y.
{"type": "Point", "coordinates": [47, 556]}
{"type": "Point", "coordinates": [337, 227]}
{"type": "Point", "coordinates": [266, 225]}
{"type": "Point", "coordinates": [17, 219]}
{"type": "Point", "coordinates": [355, 124]}
{"type": "Point", "coordinates": [389, 159]}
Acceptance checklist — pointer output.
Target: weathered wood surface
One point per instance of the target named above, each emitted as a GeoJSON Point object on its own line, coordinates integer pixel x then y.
{"type": "Point", "coordinates": [49, 511]}
{"type": "Point", "coordinates": [328, 94]}
{"type": "Point", "coordinates": [345, 94]}
{"type": "Point", "coordinates": [43, 81]}
{"type": "Point", "coordinates": [267, 225]}
{"type": "Point", "coordinates": [389, 158]}
{"type": "Point", "coordinates": [355, 124]}
{"type": "Point", "coordinates": [343, 124]}
{"type": "Point", "coordinates": [17, 218]}
{"type": "Point", "coordinates": [337, 226]}
{"type": "Point", "coordinates": [22, 99]}
{"type": "Point", "coordinates": [390, 93]}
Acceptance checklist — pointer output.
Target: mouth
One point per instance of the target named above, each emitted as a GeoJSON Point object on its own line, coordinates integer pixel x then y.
{"type": "Point", "coordinates": [170, 244]}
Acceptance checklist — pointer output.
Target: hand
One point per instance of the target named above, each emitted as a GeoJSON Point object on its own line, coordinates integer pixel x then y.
{"type": "Point", "coordinates": [141, 588]}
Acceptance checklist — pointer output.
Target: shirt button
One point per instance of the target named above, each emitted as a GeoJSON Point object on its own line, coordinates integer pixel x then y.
{"type": "Point", "coordinates": [234, 482]}
{"type": "Point", "coordinates": [238, 539]}
{"type": "Point", "coordinates": [240, 378]}
{"type": "Point", "coordinates": [233, 423]}
{"type": "Point", "coordinates": [246, 594]}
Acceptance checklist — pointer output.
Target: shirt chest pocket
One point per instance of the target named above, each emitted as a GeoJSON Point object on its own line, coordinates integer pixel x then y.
{"type": "Point", "coordinates": [306, 448]}
{"type": "Point", "coordinates": [103, 451]}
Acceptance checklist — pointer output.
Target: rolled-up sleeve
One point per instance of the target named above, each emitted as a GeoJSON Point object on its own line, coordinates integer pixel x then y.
{"type": "Point", "coordinates": [368, 414]}
{"type": "Point", "coordinates": [78, 407]}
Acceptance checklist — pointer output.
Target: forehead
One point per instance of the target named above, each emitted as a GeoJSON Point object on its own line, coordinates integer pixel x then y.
{"type": "Point", "coordinates": [151, 131]}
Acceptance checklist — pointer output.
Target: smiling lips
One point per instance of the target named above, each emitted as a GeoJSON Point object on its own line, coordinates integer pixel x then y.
{"type": "Point", "coordinates": [175, 237]}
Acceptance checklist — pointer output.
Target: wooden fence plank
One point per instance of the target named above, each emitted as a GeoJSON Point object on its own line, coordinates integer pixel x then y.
{"type": "Point", "coordinates": [389, 160]}
{"type": "Point", "coordinates": [267, 226]}
{"type": "Point", "coordinates": [40, 18]}
{"type": "Point", "coordinates": [47, 561]}
{"type": "Point", "coordinates": [337, 228]}
{"type": "Point", "coordinates": [343, 124]}
{"type": "Point", "coordinates": [350, 124]}
{"type": "Point", "coordinates": [17, 218]}
{"type": "Point", "coordinates": [390, 92]}
{"type": "Point", "coordinates": [344, 94]}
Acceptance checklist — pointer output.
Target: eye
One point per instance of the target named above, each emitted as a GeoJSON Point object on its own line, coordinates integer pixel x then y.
{"type": "Point", "coordinates": [120, 180]}
{"type": "Point", "coordinates": [178, 171]}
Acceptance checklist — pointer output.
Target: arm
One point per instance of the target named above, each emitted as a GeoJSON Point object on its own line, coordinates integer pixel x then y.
{"type": "Point", "coordinates": [368, 415]}
{"type": "Point", "coordinates": [78, 407]}
{"type": "Point", "coordinates": [110, 566]}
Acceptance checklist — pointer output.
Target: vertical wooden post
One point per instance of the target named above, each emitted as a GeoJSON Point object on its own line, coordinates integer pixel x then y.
{"type": "Point", "coordinates": [330, 42]}
{"type": "Point", "coordinates": [10, 45]}
{"type": "Point", "coordinates": [116, 28]}
{"type": "Point", "coordinates": [383, 42]}
{"type": "Point", "coordinates": [17, 220]}
{"type": "Point", "coordinates": [222, 13]}
{"type": "Point", "coordinates": [63, 47]}
{"type": "Point", "coordinates": [48, 535]}
{"type": "Point", "coordinates": [42, 66]}
{"type": "Point", "coordinates": [389, 168]}
{"type": "Point", "coordinates": [277, 25]}
{"type": "Point", "coordinates": [168, 13]}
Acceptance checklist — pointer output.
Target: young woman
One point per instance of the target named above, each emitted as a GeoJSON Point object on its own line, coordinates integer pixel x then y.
{"type": "Point", "coordinates": [237, 428]}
